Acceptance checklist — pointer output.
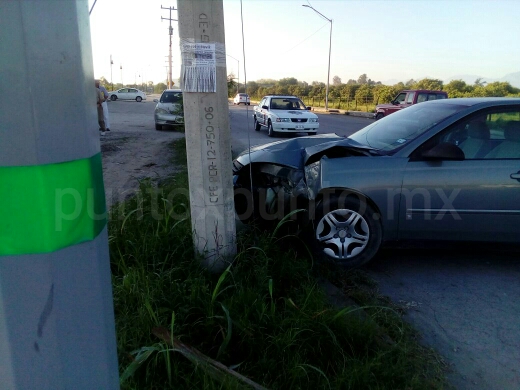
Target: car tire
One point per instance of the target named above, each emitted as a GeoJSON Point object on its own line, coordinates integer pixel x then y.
{"type": "Point", "coordinates": [312, 133]}
{"type": "Point", "coordinates": [113, 98]}
{"type": "Point", "coordinates": [270, 131]}
{"type": "Point", "coordinates": [346, 230]}
{"type": "Point", "coordinates": [158, 127]}
{"type": "Point", "coordinates": [248, 104]}
{"type": "Point", "coordinates": [379, 115]}
{"type": "Point", "coordinates": [138, 99]}
{"type": "Point", "coordinates": [257, 125]}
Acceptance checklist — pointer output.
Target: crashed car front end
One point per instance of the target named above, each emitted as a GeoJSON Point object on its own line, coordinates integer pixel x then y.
{"type": "Point", "coordinates": [274, 180]}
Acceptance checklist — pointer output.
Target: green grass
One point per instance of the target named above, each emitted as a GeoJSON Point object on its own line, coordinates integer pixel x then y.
{"type": "Point", "coordinates": [267, 316]}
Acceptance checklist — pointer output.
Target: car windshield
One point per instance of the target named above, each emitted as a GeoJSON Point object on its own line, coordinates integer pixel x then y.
{"type": "Point", "coordinates": [171, 97]}
{"type": "Point", "coordinates": [393, 132]}
{"type": "Point", "coordinates": [287, 104]}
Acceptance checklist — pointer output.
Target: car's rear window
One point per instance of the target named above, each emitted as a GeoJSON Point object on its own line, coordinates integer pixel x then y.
{"type": "Point", "coordinates": [171, 97]}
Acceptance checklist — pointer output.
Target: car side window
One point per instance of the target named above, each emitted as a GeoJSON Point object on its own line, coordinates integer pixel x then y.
{"type": "Point", "coordinates": [422, 97]}
{"type": "Point", "coordinates": [409, 98]}
{"type": "Point", "coordinates": [492, 134]}
{"type": "Point", "coordinates": [400, 98]}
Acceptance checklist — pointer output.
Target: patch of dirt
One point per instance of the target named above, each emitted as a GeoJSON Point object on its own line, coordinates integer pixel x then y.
{"type": "Point", "coordinates": [132, 156]}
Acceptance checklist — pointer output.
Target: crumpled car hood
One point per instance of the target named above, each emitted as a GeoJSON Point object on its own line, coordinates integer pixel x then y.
{"type": "Point", "coordinates": [295, 152]}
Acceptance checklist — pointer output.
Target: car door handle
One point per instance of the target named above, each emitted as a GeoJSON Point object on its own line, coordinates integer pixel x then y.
{"type": "Point", "coordinates": [515, 176]}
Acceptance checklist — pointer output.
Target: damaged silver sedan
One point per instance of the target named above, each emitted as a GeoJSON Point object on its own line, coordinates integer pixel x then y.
{"type": "Point", "coordinates": [442, 170]}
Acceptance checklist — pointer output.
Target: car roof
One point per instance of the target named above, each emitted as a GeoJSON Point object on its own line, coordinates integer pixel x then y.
{"type": "Point", "coordinates": [475, 100]}
{"type": "Point", "coordinates": [281, 96]}
{"type": "Point", "coordinates": [424, 90]}
{"type": "Point", "coordinates": [172, 90]}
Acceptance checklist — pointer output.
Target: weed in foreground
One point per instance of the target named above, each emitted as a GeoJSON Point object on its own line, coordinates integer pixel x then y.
{"type": "Point", "coordinates": [265, 318]}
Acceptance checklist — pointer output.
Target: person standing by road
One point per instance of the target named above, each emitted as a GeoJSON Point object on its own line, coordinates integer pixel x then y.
{"type": "Point", "coordinates": [104, 104]}
{"type": "Point", "coordinates": [100, 99]}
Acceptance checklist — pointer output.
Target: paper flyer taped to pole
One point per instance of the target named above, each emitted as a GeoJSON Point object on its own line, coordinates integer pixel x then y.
{"type": "Point", "coordinates": [199, 62]}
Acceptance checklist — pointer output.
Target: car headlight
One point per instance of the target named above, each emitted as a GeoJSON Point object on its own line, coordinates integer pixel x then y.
{"type": "Point", "coordinates": [313, 120]}
{"type": "Point", "coordinates": [283, 120]}
{"type": "Point", "coordinates": [161, 111]}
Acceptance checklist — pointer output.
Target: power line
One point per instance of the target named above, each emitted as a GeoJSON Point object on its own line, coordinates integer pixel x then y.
{"type": "Point", "coordinates": [298, 44]}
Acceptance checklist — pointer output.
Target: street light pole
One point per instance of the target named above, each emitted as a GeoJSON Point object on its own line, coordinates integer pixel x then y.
{"type": "Point", "coordinates": [111, 63]}
{"type": "Point", "coordinates": [238, 71]}
{"type": "Point", "coordinates": [330, 47]}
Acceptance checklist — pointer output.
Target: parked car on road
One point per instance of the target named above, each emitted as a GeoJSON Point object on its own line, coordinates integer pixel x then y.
{"type": "Point", "coordinates": [127, 94]}
{"type": "Point", "coordinates": [445, 170]}
{"type": "Point", "coordinates": [242, 98]}
{"type": "Point", "coordinates": [284, 114]}
{"type": "Point", "coordinates": [406, 99]}
{"type": "Point", "coordinates": [169, 109]}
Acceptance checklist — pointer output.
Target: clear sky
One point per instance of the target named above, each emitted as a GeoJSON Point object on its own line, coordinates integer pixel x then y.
{"type": "Point", "coordinates": [390, 40]}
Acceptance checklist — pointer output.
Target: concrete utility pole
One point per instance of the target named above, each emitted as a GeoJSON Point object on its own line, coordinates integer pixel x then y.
{"type": "Point", "coordinates": [57, 327]}
{"type": "Point", "coordinates": [170, 52]}
{"type": "Point", "coordinates": [208, 143]}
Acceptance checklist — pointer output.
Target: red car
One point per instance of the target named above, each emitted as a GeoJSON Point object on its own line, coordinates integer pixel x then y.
{"type": "Point", "coordinates": [407, 98]}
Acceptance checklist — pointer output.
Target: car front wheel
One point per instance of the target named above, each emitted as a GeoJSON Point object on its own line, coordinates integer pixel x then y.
{"type": "Point", "coordinates": [379, 115]}
{"type": "Point", "coordinates": [138, 99]}
{"type": "Point", "coordinates": [257, 125]}
{"type": "Point", "coordinates": [113, 98]}
{"type": "Point", "coordinates": [346, 231]}
{"type": "Point", "coordinates": [158, 127]}
{"type": "Point", "coordinates": [270, 131]}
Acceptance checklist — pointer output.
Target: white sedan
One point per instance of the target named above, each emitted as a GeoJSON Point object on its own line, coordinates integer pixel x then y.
{"type": "Point", "coordinates": [242, 98]}
{"type": "Point", "coordinates": [127, 94]}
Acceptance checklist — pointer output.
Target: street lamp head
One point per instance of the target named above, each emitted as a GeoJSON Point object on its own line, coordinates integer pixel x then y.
{"type": "Point", "coordinates": [330, 46]}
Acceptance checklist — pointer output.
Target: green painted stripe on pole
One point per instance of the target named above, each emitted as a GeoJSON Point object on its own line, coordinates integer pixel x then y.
{"type": "Point", "coordinates": [49, 207]}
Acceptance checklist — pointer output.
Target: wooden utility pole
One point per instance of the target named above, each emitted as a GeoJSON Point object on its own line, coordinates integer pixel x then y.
{"type": "Point", "coordinates": [208, 144]}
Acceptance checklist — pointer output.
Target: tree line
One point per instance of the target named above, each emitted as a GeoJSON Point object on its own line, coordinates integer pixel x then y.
{"type": "Point", "coordinates": [147, 87]}
{"type": "Point", "coordinates": [365, 91]}
{"type": "Point", "coordinates": [362, 91]}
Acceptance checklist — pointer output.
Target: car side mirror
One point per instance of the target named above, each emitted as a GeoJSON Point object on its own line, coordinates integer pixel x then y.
{"type": "Point", "coordinates": [395, 102]}
{"type": "Point", "coordinates": [308, 108]}
{"type": "Point", "coordinates": [156, 100]}
{"type": "Point", "coordinates": [444, 151]}
{"type": "Point", "coordinates": [265, 107]}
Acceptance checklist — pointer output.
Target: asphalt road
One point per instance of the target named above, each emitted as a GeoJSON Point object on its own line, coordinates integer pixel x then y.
{"type": "Point", "coordinates": [464, 299]}
{"type": "Point", "coordinates": [244, 134]}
